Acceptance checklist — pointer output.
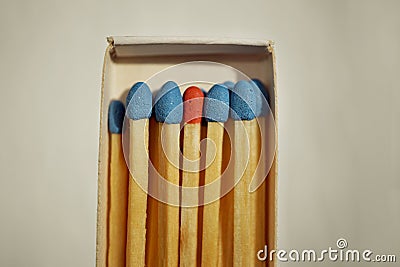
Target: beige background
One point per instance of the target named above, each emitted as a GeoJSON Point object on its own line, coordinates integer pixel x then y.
{"type": "Point", "coordinates": [339, 108]}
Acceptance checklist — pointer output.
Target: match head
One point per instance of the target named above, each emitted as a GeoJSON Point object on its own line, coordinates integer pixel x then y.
{"type": "Point", "coordinates": [263, 90]}
{"type": "Point", "coordinates": [116, 113]}
{"type": "Point", "coordinates": [139, 102]}
{"type": "Point", "coordinates": [243, 101]}
{"type": "Point", "coordinates": [168, 104]}
{"type": "Point", "coordinates": [229, 84]}
{"type": "Point", "coordinates": [193, 105]}
{"type": "Point", "coordinates": [216, 104]}
{"type": "Point", "coordinates": [260, 101]}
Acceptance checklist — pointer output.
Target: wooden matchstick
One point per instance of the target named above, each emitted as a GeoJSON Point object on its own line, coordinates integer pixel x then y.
{"type": "Point", "coordinates": [152, 254]}
{"type": "Point", "coordinates": [139, 106]}
{"type": "Point", "coordinates": [216, 112]}
{"type": "Point", "coordinates": [193, 108]}
{"type": "Point", "coordinates": [226, 203]}
{"type": "Point", "coordinates": [257, 198]}
{"type": "Point", "coordinates": [259, 182]}
{"type": "Point", "coordinates": [168, 112]}
{"type": "Point", "coordinates": [225, 255]}
{"type": "Point", "coordinates": [118, 185]}
{"type": "Point", "coordinates": [245, 147]}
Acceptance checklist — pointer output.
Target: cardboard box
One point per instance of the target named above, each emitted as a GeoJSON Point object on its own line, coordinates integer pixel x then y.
{"type": "Point", "coordinates": [131, 59]}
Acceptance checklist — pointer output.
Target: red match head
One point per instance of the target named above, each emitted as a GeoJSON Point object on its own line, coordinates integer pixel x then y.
{"type": "Point", "coordinates": [193, 99]}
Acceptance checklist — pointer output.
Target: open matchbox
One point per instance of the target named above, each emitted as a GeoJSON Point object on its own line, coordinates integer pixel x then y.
{"type": "Point", "coordinates": [131, 59]}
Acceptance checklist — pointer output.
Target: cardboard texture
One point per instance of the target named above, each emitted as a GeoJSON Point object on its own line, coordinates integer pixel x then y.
{"type": "Point", "coordinates": [131, 59]}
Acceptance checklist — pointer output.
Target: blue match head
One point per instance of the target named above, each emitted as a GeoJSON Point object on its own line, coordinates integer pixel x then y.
{"type": "Point", "coordinates": [116, 114]}
{"type": "Point", "coordinates": [216, 104]}
{"type": "Point", "coordinates": [168, 105]}
{"type": "Point", "coordinates": [243, 101]}
{"type": "Point", "coordinates": [139, 102]}
{"type": "Point", "coordinates": [229, 84]}
{"type": "Point", "coordinates": [263, 90]}
{"type": "Point", "coordinates": [260, 101]}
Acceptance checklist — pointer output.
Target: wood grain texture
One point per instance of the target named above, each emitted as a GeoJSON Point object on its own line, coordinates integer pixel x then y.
{"type": "Point", "coordinates": [137, 199]}
{"type": "Point", "coordinates": [246, 231]}
{"type": "Point", "coordinates": [226, 203]}
{"type": "Point", "coordinates": [211, 227]}
{"type": "Point", "coordinates": [152, 240]}
{"type": "Point", "coordinates": [118, 186]}
{"type": "Point", "coordinates": [271, 187]}
{"type": "Point", "coordinates": [168, 229]}
{"type": "Point", "coordinates": [257, 198]}
{"type": "Point", "coordinates": [189, 215]}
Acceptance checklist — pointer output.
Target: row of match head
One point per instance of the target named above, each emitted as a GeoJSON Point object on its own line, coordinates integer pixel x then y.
{"type": "Point", "coordinates": [244, 100]}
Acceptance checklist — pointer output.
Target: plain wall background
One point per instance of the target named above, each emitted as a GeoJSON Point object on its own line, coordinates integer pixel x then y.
{"type": "Point", "coordinates": [339, 116]}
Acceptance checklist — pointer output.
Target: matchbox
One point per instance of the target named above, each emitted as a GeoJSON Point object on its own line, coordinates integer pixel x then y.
{"type": "Point", "coordinates": [131, 59]}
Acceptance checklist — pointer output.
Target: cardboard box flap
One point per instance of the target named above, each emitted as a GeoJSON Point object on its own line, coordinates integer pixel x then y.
{"type": "Point", "coordinates": [124, 46]}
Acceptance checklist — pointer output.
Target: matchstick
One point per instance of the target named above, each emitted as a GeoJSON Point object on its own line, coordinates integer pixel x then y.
{"type": "Point", "coordinates": [216, 112]}
{"type": "Point", "coordinates": [193, 108]}
{"type": "Point", "coordinates": [259, 164]}
{"type": "Point", "coordinates": [168, 112]}
{"type": "Point", "coordinates": [263, 114]}
{"type": "Point", "coordinates": [152, 202]}
{"type": "Point", "coordinates": [138, 111]}
{"type": "Point", "coordinates": [226, 203]}
{"type": "Point", "coordinates": [245, 147]}
{"type": "Point", "coordinates": [118, 185]}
